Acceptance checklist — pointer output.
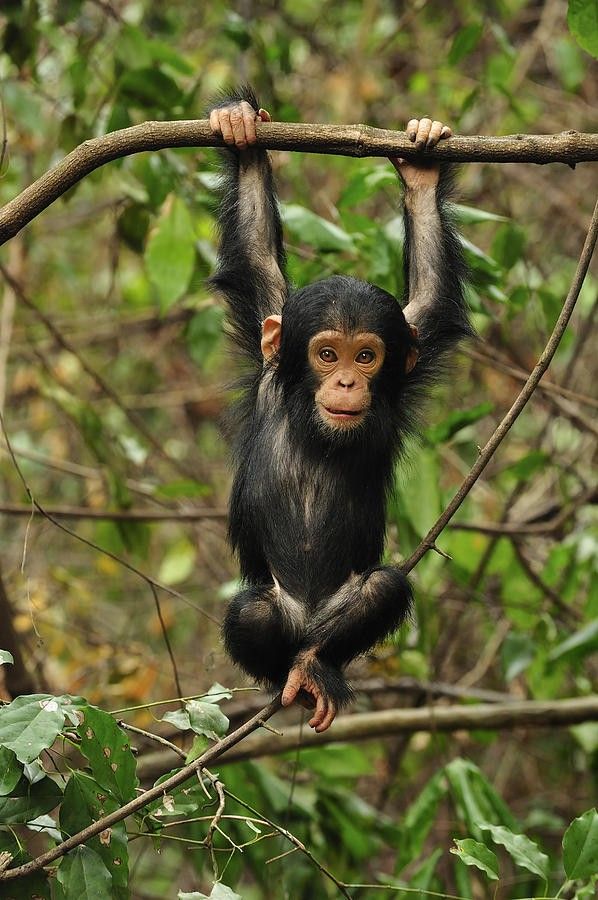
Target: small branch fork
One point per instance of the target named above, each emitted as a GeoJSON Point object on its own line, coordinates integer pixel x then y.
{"type": "Point", "coordinates": [568, 147]}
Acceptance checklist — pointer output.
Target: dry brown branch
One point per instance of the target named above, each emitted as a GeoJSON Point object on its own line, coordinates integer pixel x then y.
{"type": "Point", "coordinates": [342, 140]}
{"type": "Point", "coordinates": [389, 722]}
{"type": "Point", "coordinates": [486, 454]}
{"type": "Point", "coordinates": [117, 515]}
{"type": "Point", "coordinates": [146, 797]}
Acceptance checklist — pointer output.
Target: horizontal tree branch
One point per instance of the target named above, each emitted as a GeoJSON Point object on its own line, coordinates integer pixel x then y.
{"type": "Point", "coordinates": [116, 515]}
{"type": "Point", "coordinates": [389, 722]}
{"type": "Point", "coordinates": [569, 147]}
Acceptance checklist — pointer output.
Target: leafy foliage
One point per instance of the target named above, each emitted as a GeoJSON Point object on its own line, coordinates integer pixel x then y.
{"type": "Point", "coordinates": [123, 413]}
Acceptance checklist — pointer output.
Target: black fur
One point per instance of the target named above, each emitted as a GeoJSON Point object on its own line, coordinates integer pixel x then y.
{"type": "Point", "coordinates": [307, 510]}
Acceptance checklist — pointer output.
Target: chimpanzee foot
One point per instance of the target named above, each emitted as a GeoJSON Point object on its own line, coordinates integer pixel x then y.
{"type": "Point", "coordinates": [304, 685]}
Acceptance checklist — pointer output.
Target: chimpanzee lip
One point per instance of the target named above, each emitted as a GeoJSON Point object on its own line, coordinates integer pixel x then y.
{"type": "Point", "coordinates": [343, 412]}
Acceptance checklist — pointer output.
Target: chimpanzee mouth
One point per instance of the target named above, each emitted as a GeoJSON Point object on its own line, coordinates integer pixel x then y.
{"type": "Point", "coordinates": [349, 413]}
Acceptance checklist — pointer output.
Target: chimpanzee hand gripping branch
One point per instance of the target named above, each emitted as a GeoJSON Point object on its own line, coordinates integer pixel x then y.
{"type": "Point", "coordinates": [338, 372]}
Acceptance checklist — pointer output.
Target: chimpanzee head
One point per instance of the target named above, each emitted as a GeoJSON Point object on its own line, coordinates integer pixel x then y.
{"type": "Point", "coordinates": [343, 347]}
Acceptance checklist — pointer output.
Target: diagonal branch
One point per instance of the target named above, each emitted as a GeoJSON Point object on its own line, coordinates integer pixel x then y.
{"type": "Point", "coordinates": [146, 797]}
{"type": "Point", "coordinates": [568, 147]}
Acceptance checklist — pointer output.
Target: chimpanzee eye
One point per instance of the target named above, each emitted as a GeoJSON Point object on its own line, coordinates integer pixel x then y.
{"type": "Point", "coordinates": [327, 355]}
{"type": "Point", "coordinates": [365, 357]}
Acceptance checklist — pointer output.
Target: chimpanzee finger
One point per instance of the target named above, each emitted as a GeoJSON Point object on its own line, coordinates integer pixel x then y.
{"type": "Point", "coordinates": [328, 718]}
{"type": "Point", "coordinates": [225, 126]}
{"type": "Point", "coordinates": [446, 132]}
{"type": "Point", "coordinates": [237, 122]}
{"type": "Point", "coordinates": [320, 713]}
{"type": "Point", "coordinates": [291, 688]}
{"type": "Point", "coordinates": [214, 121]}
{"type": "Point", "coordinates": [412, 125]}
{"type": "Point", "coordinates": [264, 115]}
{"type": "Point", "coordinates": [423, 130]}
{"type": "Point", "coordinates": [249, 117]}
{"type": "Point", "coordinates": [434, 136]}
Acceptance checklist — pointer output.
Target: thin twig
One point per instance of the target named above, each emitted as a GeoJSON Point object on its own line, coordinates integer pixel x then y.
{"type": "Point", "coordinates": [117, 515]}
{"type": "Point", "coordinates": [528, 389]}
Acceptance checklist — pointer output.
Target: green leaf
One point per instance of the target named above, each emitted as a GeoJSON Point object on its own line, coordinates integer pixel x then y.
{"type": "Point", "coordinates": [308, 228]}
{"type": "Point", "coordinates": [580, 846]}
{"type": "Point", "coordinates": [528, 464]}
{"type": "Point", "coordinates": [178, 562]}
{"type": "Point", "coordinates": [219, 892]}
{"type": "Point", "coordinates": [207, 719]}
{"type": "Point", "coordinates": [365, 183]}
{"type": "Point", "coordinates": [419, 819]}
{"type": "Point", "coordinates": [470, 215]}
{"type": "Point", "coordinates": [523, 851]}
{"type": "Point", "coordinates": [28, 801]}
{"type": "Point", "coordinates": [582, 19]}
{"type": "Point", "coordinates": [203, 333]}
{"type": "Point", "coordinates": [475, 798]}
{"type": "Point", "coordinates": [85, 801]}
{"type": "Point", "coordinates": [6, 657]}
{"type": "Point", "coordinates": [31, 724]}
{"type": "Point", "coordinates": [31, 887]}
{"type": "Point", "coordinates": [579, 644]}
{"type": "Point", "coordinates": [170, 252]}
{"type": "Point", "coordinates": [177, 717]}
{"type": "Point", "coordinates": [83, 875]}
{"type": "Point", "coordinates": [10, 771]}
{"type": "Point", "coordinates": [473, 853]}
{"type": "Point", "coordinates": [107, 748]}
{"type": "Point", "coordinates": [464, 42]}
{"type": "Point", "coordinates": [149, 89]}
{"type": "Point", "coordinates": [456, 421]}
{"type": "Point", "coordinates": [508, 245]}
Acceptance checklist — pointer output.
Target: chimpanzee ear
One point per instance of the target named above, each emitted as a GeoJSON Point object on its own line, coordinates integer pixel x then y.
{"type": "Point", "coordinates": [271, 333]}
{"type": "Point", "coordinates": [412, 353]}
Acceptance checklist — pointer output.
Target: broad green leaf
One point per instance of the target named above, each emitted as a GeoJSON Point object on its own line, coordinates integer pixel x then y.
{"type": "Point", "coordinates": [10, 771]}
{"type": "Point", "coordinates": [473, 853]}
{"type": "Point", "coordinates": [6, 657]}
{"type": "Point", "coordinates": [307, 227]}
{"type": "Point", "coordinates": [508, 245]}
{"type": "Point", "coordinates": [178, 562]}
{"type": "Point", "coordinates": [456, 421]}
{"type": "Point", "coordinates": [470, 215]}
{"type": "Point", "coordinates": [28, 801]}
{"type": "Point", "coordinates": [170, 252]}
{"type": "Point", "coordinates": [475, 798]}
{"type": "Point", "coordinates": [582, 19]}
{"type": "Point", "coordinates": [108, 751]}
{"type": "Point", "coordinates": [219, 892]}
{"type": "Point", "coordinates": [149, 89]}
{"type": "Point", "coordinates": [570, 63]}
{"type": "Point", "coordinates": [367, 182]}
{"type": "Point", "coordinates": [207, 719]}
{"type": "Point", "coordinates": [30, 724]}
{"type": "Point", "coordinates": [464, 42]}
{"type": "Point", "coordinates": [523, 851]}
{"type": "Point", "coordinates": [177, 717]}
{"type": "Point", "coordinates": [83, 875]}
{"type": "Point", "coordinates": [336, 761]}
{"type": "Point", "coordinates": [217, 693]}
{"type": "Point", "coordinates": [580, 846]}
{"type": "Point", "coordinates": [581, 643]}
{"type": "Point", "coordinates": [528, 464]}
{"type": "Point", "coordinates": [85, 801]}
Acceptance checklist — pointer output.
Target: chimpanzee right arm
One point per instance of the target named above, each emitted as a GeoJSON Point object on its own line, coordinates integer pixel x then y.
{"type": "Point", "coordinates": [251, 258]}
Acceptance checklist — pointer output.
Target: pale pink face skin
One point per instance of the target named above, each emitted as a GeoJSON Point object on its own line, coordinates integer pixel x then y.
{"type": "Point", "coordinates": [345, 365]}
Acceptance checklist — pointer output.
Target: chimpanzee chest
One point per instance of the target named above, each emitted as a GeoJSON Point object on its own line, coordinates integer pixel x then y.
{"type": "Point", "coordinates": [319, 525]}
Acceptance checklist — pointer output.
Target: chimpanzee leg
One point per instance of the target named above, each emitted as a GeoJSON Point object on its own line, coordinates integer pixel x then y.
{"type": "Point", "coordinates": [262, 631]}
{"type": "Point", "coordinates": [367, 608]}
